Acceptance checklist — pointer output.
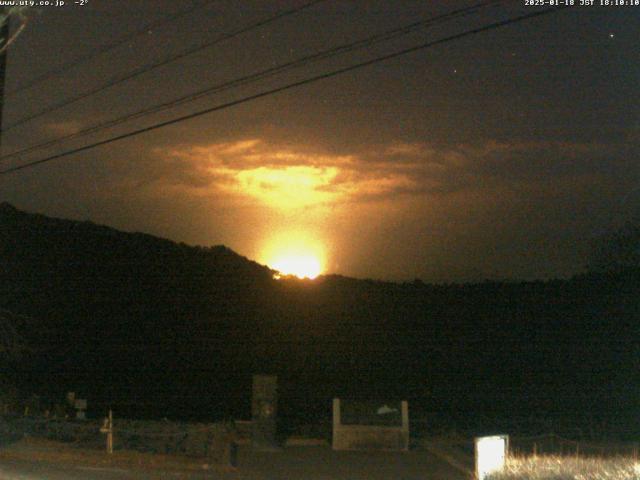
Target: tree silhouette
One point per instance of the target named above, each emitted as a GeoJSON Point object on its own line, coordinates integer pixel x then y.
{"type": "Point", "coordinates": [12, 346]}
{"type": "Point", "coordinates": [617, 251]}
{"type": "Point", "coordinates": [12, 343]}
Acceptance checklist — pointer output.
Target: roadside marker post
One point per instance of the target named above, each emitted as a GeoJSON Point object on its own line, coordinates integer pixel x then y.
{"type": "Point", "coordinates": [107, 427]}
{"type": "Point", "coordinates": [491, 454]}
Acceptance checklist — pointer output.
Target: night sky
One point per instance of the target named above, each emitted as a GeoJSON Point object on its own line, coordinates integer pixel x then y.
{"type": "Point", "coordinates": [499, 155]}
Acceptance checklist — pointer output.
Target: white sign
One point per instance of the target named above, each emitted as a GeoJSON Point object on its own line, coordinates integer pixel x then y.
{"type": "Point", "coordinates": [491, 455]}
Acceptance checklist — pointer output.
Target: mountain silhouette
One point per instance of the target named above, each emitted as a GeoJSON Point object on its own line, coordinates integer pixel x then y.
{"type": "Point", "coordinates": [152, 327]}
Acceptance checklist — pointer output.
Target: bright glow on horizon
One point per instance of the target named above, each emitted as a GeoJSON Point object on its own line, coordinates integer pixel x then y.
{"type": "Point", "coordinates": [296, 254]}
{"type": "Point", "coordinates": [300, 266]}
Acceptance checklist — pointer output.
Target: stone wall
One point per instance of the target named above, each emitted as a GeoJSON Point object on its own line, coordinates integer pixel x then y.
{"type": "Point", "coordinates": [215, 441]}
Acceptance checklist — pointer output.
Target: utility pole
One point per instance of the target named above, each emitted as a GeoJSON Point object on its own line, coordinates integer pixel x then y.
{"type": "Point", "coordinates": [4, 38]}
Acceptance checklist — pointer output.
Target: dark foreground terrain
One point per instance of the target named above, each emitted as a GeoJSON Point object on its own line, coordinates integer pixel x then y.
{"type": "Point", "coordinates": [151, 328]}
{"type": "Point", "coordinates": [39, 460]}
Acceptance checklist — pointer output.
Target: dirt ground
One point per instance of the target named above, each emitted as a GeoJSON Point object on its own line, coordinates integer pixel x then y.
{"type": "Point", "coordinates": [32, 459]}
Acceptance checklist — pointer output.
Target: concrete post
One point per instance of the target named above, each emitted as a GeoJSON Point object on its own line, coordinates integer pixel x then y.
{"type": "Point", "coordinates": [264, 409]}
{"type": "Point", "coordinates": [336, 424]}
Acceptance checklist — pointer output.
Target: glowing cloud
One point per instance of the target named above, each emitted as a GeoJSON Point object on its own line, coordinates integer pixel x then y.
{"type": "Point", "coordinates": [290, 177]}
{"type": "Point", "coordinates": [288, 186]}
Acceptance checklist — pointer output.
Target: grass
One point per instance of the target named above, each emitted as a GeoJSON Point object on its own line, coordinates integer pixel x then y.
{"type": "Point", "coordinates": [552, 467]}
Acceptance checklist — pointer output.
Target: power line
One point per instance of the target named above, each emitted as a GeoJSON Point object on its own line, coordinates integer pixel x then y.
{"type": "Point", "coordinates": [331, 52]}
{"type": "Point", "coordinates": [105, 48]}
{"type": "Point", "coordinates": [139, 71]}
{"type": "Point", "coordinates": [289, 86]}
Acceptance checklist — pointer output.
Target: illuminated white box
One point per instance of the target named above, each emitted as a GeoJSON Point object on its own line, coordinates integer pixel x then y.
{"type": "Point", "coordinates": [491, 454]}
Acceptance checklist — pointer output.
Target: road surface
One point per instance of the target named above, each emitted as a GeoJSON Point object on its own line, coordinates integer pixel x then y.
{"type": "Point", "coordinates": [26, 462]}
